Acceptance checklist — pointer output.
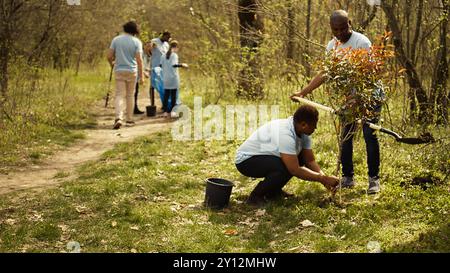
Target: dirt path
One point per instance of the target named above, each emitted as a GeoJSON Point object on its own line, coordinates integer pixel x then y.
{"type": "Point", "coordinates": [97, 141]}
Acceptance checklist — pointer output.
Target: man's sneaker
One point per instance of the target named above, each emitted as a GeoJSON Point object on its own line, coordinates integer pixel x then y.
{"type": "Point", "coordinates": [374, 185]}
{"type": "Point", "coordinates": [346, 182]}
{"type": "Point", "coordinates": [137, 111]}
{"type": "Point", "coordinates": [130, 123]}
{"type": "Point", "coordinates": [117, 124]}
{"type": "Point", "coordinates": [255, 201]}
{"type": "Point", "coordinates": [279, 195]}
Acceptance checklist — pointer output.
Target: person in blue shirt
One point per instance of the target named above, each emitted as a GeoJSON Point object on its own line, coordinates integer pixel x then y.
{"type": "Point", "coordinates": [125, 55]}
{"type": "Point", "coordinates": [280, 150]}
{"type": "Point", "coordinates": [171, 77]}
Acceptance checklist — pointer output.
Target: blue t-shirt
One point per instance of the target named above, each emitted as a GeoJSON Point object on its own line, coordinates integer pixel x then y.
{"type": "Point", "coordinates": [171, 78]}
{"type": "Point", "coordinates": [125, 48]}
{"type": "Point", "coordinates": [274, 138]}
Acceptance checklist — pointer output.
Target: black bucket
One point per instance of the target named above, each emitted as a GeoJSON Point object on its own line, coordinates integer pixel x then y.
{"type": "Point", "coordinates": [151, 111]}
{"type": "Point", "coordinates": [218, 192]}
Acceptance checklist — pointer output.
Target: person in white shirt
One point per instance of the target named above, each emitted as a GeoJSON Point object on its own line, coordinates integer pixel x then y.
{"type": "Point", "coordinates": [345, 37]}
{"type": "Point", "coordinates": [160, 47]}
{"type": "Point", "coordinates": [280, 150]}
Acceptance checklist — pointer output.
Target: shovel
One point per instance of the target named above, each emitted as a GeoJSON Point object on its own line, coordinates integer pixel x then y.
{"type": "Point", "coordinates": [109, 87]}
{"type": "Point", "coordinates": [423, 139]}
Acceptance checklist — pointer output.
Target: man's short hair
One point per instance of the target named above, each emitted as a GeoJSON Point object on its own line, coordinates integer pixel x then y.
{"type": "Point", "coordinates": [339, 15]}
{"type": "Point", "coordinates": [131, 28]}
{"type": "Point", "coordinates": [306, 113]}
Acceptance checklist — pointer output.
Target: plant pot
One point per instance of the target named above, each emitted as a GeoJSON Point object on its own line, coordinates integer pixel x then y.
{"type": "Point", "coordinates": [151, 111]}
{"type": "Point", "coordinates": [218, 192]}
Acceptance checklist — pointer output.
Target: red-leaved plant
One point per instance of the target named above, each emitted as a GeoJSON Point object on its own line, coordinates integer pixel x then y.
{"type": "Point", "coordinates": [354, 77]}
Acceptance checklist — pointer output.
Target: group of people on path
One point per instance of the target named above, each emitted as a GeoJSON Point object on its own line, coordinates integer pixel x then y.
{"type": "Point", "coordinates": [133, 63]}
{"type": "Point", "coordinates": [282, 149]}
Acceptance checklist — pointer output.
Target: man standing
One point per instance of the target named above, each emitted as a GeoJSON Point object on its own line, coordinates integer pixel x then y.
{"type": "Point", "coordinates": [280, 150]}
{"type": "Point", "coordinates": [345, 37]}
{"type": "Point", "coordinates": [125, 54]}
{"type": "Point", "coordinates": [160, 47]}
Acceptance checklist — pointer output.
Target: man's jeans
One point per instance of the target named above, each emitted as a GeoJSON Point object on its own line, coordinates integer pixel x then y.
{"type": "Point", "coordinates": [372, 148]}
{"type": "Point", "coordinates": [272, 169]}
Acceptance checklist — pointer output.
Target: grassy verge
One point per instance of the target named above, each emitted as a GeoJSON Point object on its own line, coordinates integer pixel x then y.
{"type": "Point", "coordinates": [46, 112]}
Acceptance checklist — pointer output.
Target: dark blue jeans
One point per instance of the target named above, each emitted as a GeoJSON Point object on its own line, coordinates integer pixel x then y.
{"type": "Point", "coordinates": [372, 149]}
{"type": "Point", "coordinates": [272, 169]}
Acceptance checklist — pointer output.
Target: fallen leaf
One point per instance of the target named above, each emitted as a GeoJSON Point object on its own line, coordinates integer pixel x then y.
{"type": "Point", "coordinates": [64, 228]}
{"type": "Point", "coordinates": [260, 212]}
{"type": "Point", "coordinates": [307, 224]}
{"type": "Point", "coordinates": [114, 224]}
{"type": "Point", "coordinates": [133, 250]}
{"type": "Point", "coordinates": [231, 232]}
{"type": "Point", "coordinates": [10, 222]}
{"type": "Point", "coordinates": [248, 222]}
{"type": "Point", "coordinates": [134, 228]}
{"type": "Point", "coordinates": [81, 209]}
{"type": "Point", "coordinates": [294, 248]}
{"type": "Point", "coordinates": [160, 199]}
{"type": "Point", "coordinates": [36, 217]}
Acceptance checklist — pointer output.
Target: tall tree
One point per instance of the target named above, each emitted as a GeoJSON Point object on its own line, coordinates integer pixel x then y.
{"type": "Point", "coordinates": [439, 93]}
{"type": "Point", "coordinates": [417, 91]}
{"type": "Point", "coordinates": [306, 53]}
{"type": "Point", "coordinates": [251, 29]}
{"type": "Point", "coordinates": [9, 10]}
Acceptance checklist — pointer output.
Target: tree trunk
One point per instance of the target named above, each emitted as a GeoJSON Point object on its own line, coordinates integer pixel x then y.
{"type": "Point", "coordinates": [290, 32]}
{"type": "Point", "coordinates": [416, 88]}
{"type": "Point", "coordinates": [306, 57]}
{"type": "Point", "coordinates": [80, 57]}
{"type": "Point", "coordinates": [408, 27]}
{"type": "Point", "coordinates": [370, 18]}
{"type": "Point", "coordinates": [251, 83]}
{"type": "Point", "coordinates": [439, 93]}
{"type": "Point", "coordinates": [417, 32]}
{"type": "Point", "coordinates": [5, 44]}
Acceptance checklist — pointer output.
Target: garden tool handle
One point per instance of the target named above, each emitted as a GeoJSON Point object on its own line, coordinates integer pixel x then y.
{"type": "Point", "coordinates": [381, 129]}
{"type": "Point", "coordinates": [317, 105]}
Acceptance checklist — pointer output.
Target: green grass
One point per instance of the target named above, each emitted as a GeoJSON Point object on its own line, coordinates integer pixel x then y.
{"type": "Point", "coordinates": [146, 196]}
{"type": "Point", "coordinates": [47, 115]}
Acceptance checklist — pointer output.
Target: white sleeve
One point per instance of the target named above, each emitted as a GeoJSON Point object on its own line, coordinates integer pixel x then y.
{"type": "Point", "coordinates": [164, 48]}
{"type": "Point", "coordinates": [175, 59]}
